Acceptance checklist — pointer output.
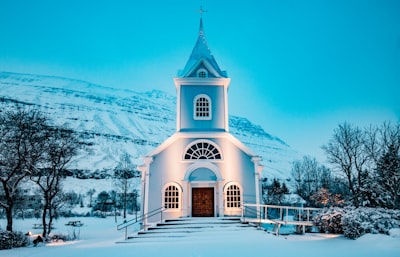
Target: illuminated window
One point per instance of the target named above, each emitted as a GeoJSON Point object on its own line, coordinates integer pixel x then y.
{"type": "Point", "coordinates": [171, 197]}
{"type": "Point", "coordinates": [233, 198]}
{"type": "Point", "coordinates": [202, 150]}
{"type": "Point", "coordinates": [202, 107]}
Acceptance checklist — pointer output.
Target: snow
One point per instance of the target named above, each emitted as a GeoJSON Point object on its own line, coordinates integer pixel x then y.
{"type": "Point", "coordinates": [99, 237]}
{"type": "Point", "coordinates": [395, 232]}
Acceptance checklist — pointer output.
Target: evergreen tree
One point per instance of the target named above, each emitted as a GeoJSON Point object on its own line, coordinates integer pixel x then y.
{"type": "Point", "coordinates": [275, 192]}
{"type": "Point", "coordinates": [388, 177]}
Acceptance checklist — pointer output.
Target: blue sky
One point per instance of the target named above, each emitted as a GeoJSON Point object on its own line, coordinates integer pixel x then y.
{"type": "Point", "coordinates": [298, 67]}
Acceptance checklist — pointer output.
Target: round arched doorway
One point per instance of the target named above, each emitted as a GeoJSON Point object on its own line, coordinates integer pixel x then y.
{"type": "Point", "coordinates": [203, 181]}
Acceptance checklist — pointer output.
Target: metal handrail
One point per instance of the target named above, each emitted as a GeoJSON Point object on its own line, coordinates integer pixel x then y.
{"type": "Point", "coordinates": [304, 215]}
{"type": "Point", "coordinates": [141, 218]}
{"type": "Point", "coordinates": [281, 206]}
{"type": "Point", "coordinates": [283, 211]}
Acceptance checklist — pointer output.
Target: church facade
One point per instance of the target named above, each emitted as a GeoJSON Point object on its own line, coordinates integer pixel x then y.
{"type": "Point", "coordinates": [202, 170]}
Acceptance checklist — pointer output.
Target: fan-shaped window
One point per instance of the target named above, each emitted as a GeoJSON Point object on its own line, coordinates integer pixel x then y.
{"type": "Point", "coordinates": [202, 150]}
{"type": "Point", "coordinates": [171, 197]}
{"type": "Point", "coordinates": [233, 198]}
{"type": "Point", "coordinates": [202, 107]}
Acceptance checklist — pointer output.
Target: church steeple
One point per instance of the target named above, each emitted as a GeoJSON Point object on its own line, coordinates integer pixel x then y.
{"type": "Point", "coordinates": [201, 55]}
{"type": "Point", "coordinates": [202, 91]}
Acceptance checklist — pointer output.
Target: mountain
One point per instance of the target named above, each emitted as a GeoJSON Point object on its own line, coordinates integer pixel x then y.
{"type": "Point", "coordinates": [113, 121]}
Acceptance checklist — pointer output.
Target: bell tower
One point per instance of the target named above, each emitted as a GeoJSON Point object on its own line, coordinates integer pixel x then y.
{"type": "Point", "coordinates": [202, 91]}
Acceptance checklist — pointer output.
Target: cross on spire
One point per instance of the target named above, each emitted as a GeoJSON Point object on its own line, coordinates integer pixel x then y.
{"type": "Point", "coordinates": [201, 11]}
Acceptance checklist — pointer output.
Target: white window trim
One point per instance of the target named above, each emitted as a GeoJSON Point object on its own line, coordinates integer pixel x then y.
{"type": "Point", "coordinates": [188, 146]}
{"type": "Point", "coordinates": [209, 117]}
{"type": "Point", "coordinates": [227, 185]}
{"type": "Point", "coordinates": [179, 197]}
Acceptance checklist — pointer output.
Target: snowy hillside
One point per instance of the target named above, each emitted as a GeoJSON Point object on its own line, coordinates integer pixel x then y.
{"type": "Point", "coordinates": [114, 121]}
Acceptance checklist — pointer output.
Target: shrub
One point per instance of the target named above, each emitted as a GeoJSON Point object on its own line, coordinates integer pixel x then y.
{"type": "Point", "coordinates": [359, 221]}
{"type": "Point", "coordinates": [74, 234]}
{"type": "Point", "coordinates": [10, 240]}
{"type": "Point", "coordinates": [355, 222]}
{"type": "Point", "coordinates": [330, 220]}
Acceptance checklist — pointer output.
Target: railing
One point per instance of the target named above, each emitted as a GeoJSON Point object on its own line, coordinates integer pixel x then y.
{"type": "Point", "coordinates": [279, 215]}
{"type": "Point", "coordinates": [139, 219]}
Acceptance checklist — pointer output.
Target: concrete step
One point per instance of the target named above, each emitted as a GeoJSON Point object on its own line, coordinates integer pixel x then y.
{"type": "Point", "coordinates": [198, 222]}
{"type": "Point", "coordinates": [177, 228]}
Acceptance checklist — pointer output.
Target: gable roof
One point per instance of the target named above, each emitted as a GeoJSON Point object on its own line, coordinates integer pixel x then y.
{"type": "Point", "coordinates": [201, 54]}
{"type": "Point", "coordinates": [202, 135]}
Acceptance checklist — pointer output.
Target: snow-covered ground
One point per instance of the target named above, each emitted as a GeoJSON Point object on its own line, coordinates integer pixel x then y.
{"type": "Point", "coordinates": [98, 237]}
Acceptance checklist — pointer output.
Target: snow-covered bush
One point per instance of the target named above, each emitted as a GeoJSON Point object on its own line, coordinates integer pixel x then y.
{"type": "Point", "coordinates": [330, 220]}
{"type": "Point", "coordinates": [359, 221]}
{"type": "Point", "coordinates": [72, 235]}
{"type": "Point", "coordinates": [355, 222]}
{"type": "Point", "coordinates": [10, 240]}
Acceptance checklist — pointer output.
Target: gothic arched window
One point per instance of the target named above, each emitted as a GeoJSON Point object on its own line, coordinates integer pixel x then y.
{"type": "Point", "coordinates": [171, 197]}
{"type": "Point", "coordinates": [233, 198]}
{"type": "Point", "coordinates": [202, 150]}
{"type": "Point", "coordinates": [202, 107]}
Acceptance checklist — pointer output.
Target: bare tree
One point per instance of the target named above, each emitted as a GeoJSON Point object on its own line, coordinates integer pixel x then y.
{"type": "Point", "coordinates": [348, 153]}
{"type": "Point", "coordinates": [90, 193]}
{"type": "Point", "coordinates": [61, 147]}
{"type": "Point", "coordinates": [309, 176]}
{"type": "Point", "coordinates": [298, 175]}
{"type": "Point", "coordinates": [21, 147]}
{"type": "Point", "coordinates": [124, 174]}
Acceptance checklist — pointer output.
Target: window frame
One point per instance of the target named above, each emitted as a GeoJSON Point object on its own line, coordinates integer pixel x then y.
{"type": "Point", "coordinates": [200, 72]}
{"type": "Point", "coordinates": [202, 107]}
{"type": "Point", "coordinates": [230, 203]}
{"type": "Point", "coordinates": [174, 201]}
{"type": "Point", "coordinates": [193, 150]}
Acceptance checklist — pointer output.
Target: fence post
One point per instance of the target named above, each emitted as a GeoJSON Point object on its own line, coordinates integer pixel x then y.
{"type": "Point", "coordinates": [287, 214]}
{"type": "Point", "coordinates": [243, 220]}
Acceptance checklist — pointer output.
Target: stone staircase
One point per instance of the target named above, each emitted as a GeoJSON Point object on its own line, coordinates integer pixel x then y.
{"type": "Point", "coordinates": [190, 227]}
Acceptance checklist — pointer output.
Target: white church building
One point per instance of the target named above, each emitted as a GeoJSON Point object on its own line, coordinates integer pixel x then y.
{"type": "Point", "coordinates": [202, 170]}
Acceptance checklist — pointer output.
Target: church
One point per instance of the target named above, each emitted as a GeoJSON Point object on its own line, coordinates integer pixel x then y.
{"type": "Point", "coordinates": [202, 170]}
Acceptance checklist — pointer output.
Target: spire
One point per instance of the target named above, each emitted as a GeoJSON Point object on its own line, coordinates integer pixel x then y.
{"type": "Point", "coordinates": [201, 11]}
{"type": "Point", "coordinates": [201, 30]}
{"type": "Point", "coordinates": [201, 52]}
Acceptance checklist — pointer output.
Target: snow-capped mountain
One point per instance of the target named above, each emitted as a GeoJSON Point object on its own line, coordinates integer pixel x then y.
{"type": "Point", "coordinates": [114, 121]}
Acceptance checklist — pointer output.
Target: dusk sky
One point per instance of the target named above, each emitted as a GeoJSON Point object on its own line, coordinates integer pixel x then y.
{"type": "Point", "coordinates": [298, 67]}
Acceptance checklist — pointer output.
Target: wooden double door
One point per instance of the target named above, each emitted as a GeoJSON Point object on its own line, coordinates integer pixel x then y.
{"type": "Point", "coordinates": [203, 202]}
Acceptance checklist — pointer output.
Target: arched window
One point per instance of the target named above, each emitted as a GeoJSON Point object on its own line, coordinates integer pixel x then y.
{"type": "Point", "coordinates": [202, 73]}
{"type": "Point", "coordinates": [202, 150]}
{"type": "Point", "coordinates": [171, 197]}
{"type": "Point", "coordinates": [233, 197]}
{"type": "Point", "coordinates": [202, 107]}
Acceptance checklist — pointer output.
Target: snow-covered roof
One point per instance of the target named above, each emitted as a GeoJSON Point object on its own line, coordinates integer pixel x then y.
{"type": "Point", "coordinates": [293, 199]}
{"type": "Point", "coordinates": [201, 53]}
